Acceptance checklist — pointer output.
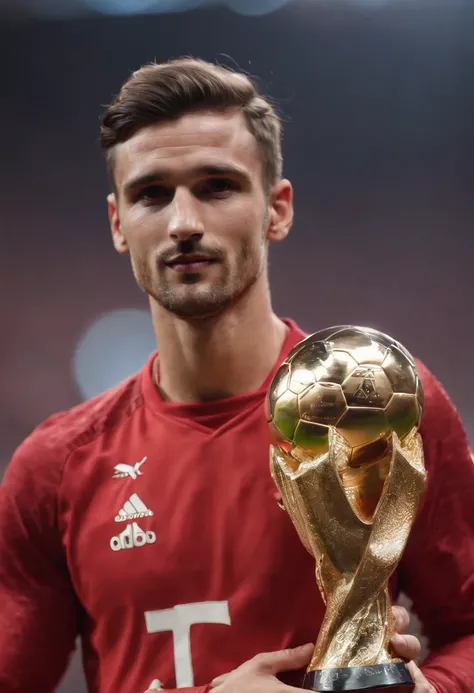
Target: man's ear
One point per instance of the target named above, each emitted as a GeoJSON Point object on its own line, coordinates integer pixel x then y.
{"type": "Point", "coordinates": [281, 211]}
{"type": "Point", "coordinates": [117, 236]}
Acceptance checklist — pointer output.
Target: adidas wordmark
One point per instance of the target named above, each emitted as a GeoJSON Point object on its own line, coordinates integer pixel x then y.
{"type": "Point", "coordinates": [132, 537]}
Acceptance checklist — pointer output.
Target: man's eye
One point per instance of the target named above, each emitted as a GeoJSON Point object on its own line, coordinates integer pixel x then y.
{"type": "Point", "coordinates": [217, 186]}
{"type": "Point", "coordinates": [154, 192]}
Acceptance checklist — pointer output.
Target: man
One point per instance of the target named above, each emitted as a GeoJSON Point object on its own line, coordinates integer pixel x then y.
{"type": "Point", "coordinates": [145, 520]}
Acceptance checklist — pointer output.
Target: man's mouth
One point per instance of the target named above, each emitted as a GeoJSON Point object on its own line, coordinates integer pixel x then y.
{"type": "Point", "coordinates": [193, 262]}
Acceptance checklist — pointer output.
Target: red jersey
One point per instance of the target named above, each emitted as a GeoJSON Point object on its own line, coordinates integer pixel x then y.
{"type": "Point", "coordinates": [152, 530]}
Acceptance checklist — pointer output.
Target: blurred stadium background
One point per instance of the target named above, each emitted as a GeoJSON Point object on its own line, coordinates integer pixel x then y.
{"type": "Point", "coordinates": [379, 142]}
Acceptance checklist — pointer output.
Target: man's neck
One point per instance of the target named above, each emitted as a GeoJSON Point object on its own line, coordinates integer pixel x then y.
{"type": "Point", "coordinates": [224, 356]}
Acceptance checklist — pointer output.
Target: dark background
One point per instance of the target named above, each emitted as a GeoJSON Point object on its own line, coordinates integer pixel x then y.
{"type": "Point", "coordinates": [379, 131]}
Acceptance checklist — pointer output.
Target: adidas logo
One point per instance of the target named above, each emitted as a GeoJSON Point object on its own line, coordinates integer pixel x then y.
{"type": "Point", "coordinates": [133, 509]}
{"type": "Point", "coordinates": [132, 537]}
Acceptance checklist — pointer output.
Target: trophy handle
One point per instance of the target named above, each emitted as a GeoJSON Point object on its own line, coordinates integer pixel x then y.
{"type": "Point", "coordinates": [321, 513]}
{"type": "Point", "coordinates": [354, 558]}
{"type": "Point", "coordinates": [365, 598]}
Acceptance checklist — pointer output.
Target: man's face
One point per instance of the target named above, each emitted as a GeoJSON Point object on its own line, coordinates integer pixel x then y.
{"type": "Point", "coordinates": [192, 212]}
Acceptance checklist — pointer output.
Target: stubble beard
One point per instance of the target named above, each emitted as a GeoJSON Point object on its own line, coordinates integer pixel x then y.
{"type": "Point", "coordinates": [194, 300]}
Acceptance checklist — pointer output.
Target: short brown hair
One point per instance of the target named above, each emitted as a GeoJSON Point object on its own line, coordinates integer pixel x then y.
{"type": "Point", "coordinates": [166, 91]}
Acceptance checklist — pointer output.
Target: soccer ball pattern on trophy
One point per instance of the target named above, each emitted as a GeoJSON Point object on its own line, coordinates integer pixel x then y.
{"type": "Point", "coordinates": [357, 380]}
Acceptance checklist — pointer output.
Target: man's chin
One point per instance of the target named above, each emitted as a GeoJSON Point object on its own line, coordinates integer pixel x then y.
{"type": "Point", "coordinates": [194, 307]}
{"type": "Point", "coordinates": [193, 314]}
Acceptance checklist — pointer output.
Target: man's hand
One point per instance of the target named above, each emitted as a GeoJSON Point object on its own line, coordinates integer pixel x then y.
{"type": "Point", "coordinates": [258, 675]}
{"type": "Point", "coordinates": [408, 647]}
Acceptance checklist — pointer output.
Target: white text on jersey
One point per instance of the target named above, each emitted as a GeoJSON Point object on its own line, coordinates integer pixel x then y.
{"type": "Point", "coordinates": [132, 537]}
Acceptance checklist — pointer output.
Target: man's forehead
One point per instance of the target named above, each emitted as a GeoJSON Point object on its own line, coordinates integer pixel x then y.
{"type": "Point", "coordinates": [218, 137]}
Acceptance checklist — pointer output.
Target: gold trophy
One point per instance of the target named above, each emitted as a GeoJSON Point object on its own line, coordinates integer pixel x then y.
{"type": "Point", "coordinates": [344, 409]}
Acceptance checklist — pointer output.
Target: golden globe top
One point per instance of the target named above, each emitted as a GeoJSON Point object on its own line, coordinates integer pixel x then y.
{"type": "Point", "coordinates": [357, 380]}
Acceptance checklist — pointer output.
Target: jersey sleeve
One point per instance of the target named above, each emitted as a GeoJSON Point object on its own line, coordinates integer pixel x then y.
{"type": "Point", "coordinates": [38, 609]}
{"type": "Point", "coordinates": [437, 568]}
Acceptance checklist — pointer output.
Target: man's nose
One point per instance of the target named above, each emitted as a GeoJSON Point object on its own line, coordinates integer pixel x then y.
{"type": "Point", "coordinates": [185, 221]}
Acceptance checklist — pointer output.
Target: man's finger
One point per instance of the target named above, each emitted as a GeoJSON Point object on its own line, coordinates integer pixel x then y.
{"type": "Point", "coordinates": [218, 680]}
{"type": "Point", "coordinates": [421, 684]}
{"type": "Point", "coordinates": [284, 660]}
{"type": "Point", "coordinates": [402, 618]}
{"type": "Point", "coordinates": [406, 646]}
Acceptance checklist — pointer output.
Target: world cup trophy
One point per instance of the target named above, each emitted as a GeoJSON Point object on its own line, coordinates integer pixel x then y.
{"type": "Point", "coordinates": [344, 409]}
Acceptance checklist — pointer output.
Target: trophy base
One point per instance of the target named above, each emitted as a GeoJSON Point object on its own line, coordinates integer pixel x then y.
{"type": "Point", "coordinates": [376, 677]}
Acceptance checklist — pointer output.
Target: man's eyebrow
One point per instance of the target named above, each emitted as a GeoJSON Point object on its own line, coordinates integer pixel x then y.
{"type": "Point", "coordinates": [161, 175]}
